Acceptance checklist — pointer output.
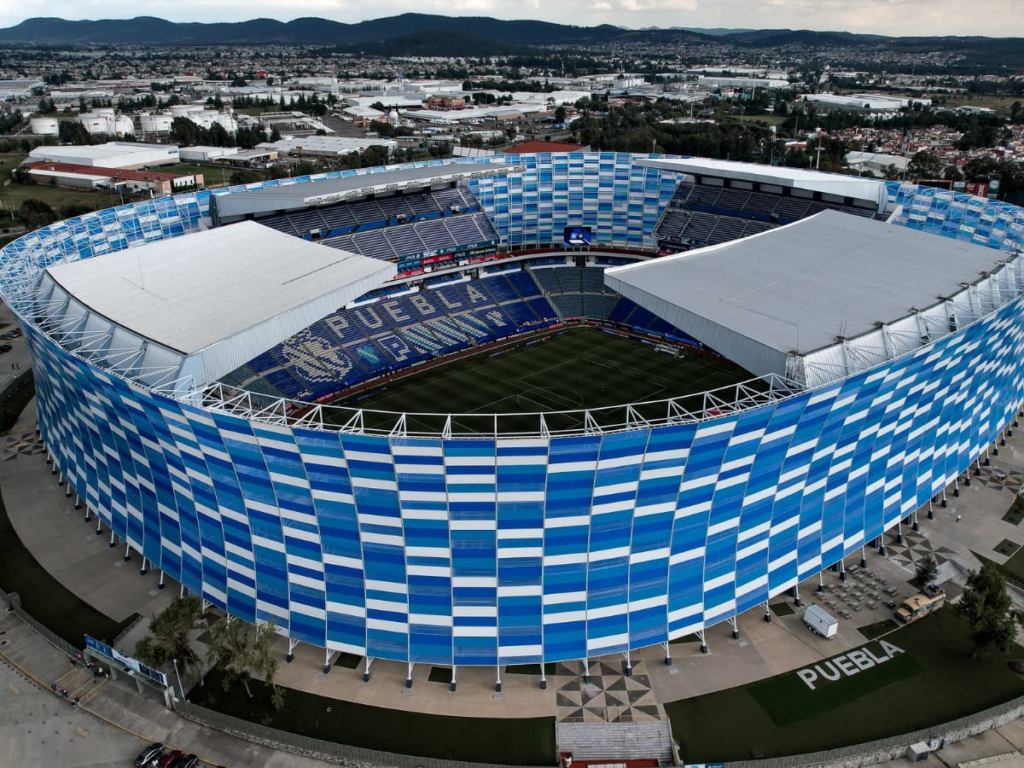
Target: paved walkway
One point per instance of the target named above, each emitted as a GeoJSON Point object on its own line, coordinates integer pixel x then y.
{"type": "Point", "coordinates": [39, 728]}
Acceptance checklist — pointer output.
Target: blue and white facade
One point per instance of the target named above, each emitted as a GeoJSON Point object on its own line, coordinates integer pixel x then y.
{"type": "Point", "coordinates": [498, 551]}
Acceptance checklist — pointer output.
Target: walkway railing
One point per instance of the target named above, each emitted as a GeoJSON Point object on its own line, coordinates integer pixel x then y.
{"type": "Point", "coordinates": [309, 746]}
{"type": "Point", "coordinates": [883, 750]}
{"type": "Point", "coordinates": [13, 601]}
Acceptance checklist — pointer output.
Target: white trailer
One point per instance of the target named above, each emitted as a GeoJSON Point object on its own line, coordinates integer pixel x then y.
{"type": "Point", "coordinates": [821, 621]}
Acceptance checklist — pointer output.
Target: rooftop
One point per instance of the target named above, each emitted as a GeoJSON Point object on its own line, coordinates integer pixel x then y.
{"type": "Point", "coordinates": [98, 171]}
{"type": "Point", "coordinates": [800, 288]}
{"type": "Point", "coordinates": [533, 147]}
{"type": "Point", "coordinates": [291, 197]}
{"type": "Point", "coordinates": [245, 287]}
{"type": "Point", "coordinates": [867, 190]}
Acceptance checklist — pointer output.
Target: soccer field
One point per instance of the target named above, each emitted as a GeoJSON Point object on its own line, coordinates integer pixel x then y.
{"type": "Point", "coordinates": [571, 369]}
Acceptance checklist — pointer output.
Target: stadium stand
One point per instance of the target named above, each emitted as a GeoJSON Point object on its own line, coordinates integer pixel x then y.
{"type": "Point", "coordinates": [700, 215]}
{"type": "Point", "coordinates": [405, 240]}
{"type": "Point", "coordinates": [344, 218]}
{"type": "Point", "coordinates": [388, 331]}
{"type": "Point", "coordinates": [392, 328]}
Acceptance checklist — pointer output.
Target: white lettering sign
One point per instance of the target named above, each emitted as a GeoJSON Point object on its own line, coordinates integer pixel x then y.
{"type": "Point", "coordinates": [849, 664]}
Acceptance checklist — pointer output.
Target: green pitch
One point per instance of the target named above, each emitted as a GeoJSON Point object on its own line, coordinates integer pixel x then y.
{"type": "Point", "coordinates": [567, 370]}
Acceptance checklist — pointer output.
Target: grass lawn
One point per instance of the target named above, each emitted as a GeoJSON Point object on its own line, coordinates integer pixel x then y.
{"type": "Point", "coordinates": [569, 369]}
{"type": "Point", "coordinates": [782, 609]}
{"type": "Point", "coordinates": [57, 198]}
{"type": "Point", "coordinates": [1002, 104]}
{"type": "Point", "coordinates": [8, 162]}
{"type": "Point", "coordinates": [691, 638]}
{"type": "Point", "coordinates": [348, 660]}
{"type": "Point", "coordinates": [212, 176]}
{"type": "Point", "coordinates": [487, 740]}
{"type": "Point", "coordinates": [1013, 568]}
{"type": "Point", "coordinates": [1006, 548]}
{"type": "Point", "coordinates": [45, 598]}
{"type": "Point", "coordinates": [934, 681]}
{"type": "Point", "coordinates": [1015, 514]}
{"type": "Point", "coordinates": [879, 628]}
{"type": "Point", "coordinates": [766, 119]}
{"type": "Point", "coordinates": [787, 699]}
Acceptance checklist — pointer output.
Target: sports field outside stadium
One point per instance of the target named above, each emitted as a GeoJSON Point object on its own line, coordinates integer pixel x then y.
{"type": "Point", "coordinates": [565, 370]}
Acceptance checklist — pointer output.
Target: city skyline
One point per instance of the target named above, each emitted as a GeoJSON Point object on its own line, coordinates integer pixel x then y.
{"type": "Point", "coordinates": [994, 18]}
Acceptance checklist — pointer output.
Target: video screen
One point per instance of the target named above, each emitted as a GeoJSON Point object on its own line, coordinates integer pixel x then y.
{"type": "Point", "coordinates": [575, 236]}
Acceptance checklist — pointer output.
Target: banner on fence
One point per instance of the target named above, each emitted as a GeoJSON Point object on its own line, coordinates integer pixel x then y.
{"type": "Point", "coordinates": [127, 661]}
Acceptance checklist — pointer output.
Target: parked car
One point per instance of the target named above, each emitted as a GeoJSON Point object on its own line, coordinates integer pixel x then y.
{"type": "Point", "coordinates": [172, 755]}
{"type": "Point", "coordinates": [5, 348]}
{"type": "Point", "coordinates": [188, 761]}
{"type": "Point", "coordinates": [148, 754]}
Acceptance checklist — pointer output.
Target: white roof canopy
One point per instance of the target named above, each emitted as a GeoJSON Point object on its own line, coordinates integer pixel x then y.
{"type": "Point", "coordinates": [854, 187]}
{"type": "Point", "coordinates": [218, 297]}
{"type": "Point", "coordinates": [833, 291]}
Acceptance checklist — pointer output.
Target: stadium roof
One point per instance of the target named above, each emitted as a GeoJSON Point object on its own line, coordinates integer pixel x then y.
{"type": "Point", "coordinates": [533, 147]}
{"type": "Point", "coordinates": [291, 197]}
{"type": "Point", "coordinates": [867, 190]}
{"type": "Point", "coordinates": [782, 300]}
{"type": "Point", "coordinates": [224, 295]}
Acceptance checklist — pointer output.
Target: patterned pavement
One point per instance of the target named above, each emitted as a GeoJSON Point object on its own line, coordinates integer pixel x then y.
{"type": "Point", "coordinates": [609, 697]}
{"type": "Point", "coordinates": [21, 444]}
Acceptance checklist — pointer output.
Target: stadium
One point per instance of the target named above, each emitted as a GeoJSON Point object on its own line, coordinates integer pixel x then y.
{"type": "Point", "coordinates": [284, 395]}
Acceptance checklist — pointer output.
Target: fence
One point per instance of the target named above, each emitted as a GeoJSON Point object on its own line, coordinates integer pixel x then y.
{"type": "Point", "coordinates": [13, 601]}
{"type": "Point", "coordinates": [127, 630]}
{"type": "Point", "coordinates": [894, 747]}
{"type": "Point", "coordinates": [310, 747]}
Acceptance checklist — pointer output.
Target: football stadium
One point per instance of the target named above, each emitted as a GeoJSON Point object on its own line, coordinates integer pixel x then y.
{"type": "Point", "coordinates": [524, 409]}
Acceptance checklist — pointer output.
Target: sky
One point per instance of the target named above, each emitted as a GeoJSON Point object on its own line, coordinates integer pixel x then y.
{"type": "Point", "coordinates": [995, 18]}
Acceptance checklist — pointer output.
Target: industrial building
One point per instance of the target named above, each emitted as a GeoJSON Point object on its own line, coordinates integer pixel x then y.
{"type": "Point", "coordinates": [154, 183]}
{"type": "Point", "coordinates": [114, 154]}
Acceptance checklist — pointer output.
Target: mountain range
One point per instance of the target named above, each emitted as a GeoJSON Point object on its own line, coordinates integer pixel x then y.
{"type": "Point", "coordinates": [509, 35]}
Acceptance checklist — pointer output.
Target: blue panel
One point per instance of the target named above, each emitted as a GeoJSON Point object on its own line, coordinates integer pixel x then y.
{"type": "Point", "coordinates": [491, 551]}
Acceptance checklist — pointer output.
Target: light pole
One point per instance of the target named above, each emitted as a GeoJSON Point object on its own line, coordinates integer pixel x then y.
{"type": "Point", "coordinates": [178, 675]}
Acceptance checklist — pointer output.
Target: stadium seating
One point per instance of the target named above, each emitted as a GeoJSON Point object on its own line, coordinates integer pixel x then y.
{"type": "Point", "coordinates": [699, 215]}
{"type": "Point", "coordinates": [389, 330]}
{"type": "Point", "coordinates": [401, 241]}
{"type": "Point", "coordinates": [344, 218]}
{"type": "Point", "coordinates": [394, 327]}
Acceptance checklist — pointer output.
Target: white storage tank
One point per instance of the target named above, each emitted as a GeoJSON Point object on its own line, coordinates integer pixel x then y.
{"type": "Point", "coordinates": [44, 126]}
{"type": "Point", "coordinates": [155, 123]}
{"type": "Point", "coordinates": [181, 110]}
{"type": "Point", "coordinates": [227, 121]}
{"type": "Point", "coordinates": [124, 126]}
{"type": "Point", "coordinates": [97, 124]}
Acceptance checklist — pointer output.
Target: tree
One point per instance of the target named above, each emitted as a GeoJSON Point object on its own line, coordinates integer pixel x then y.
{"type": "Point", "coordinates": [560, 114]}
{"type": "Point", "coordinates": [927, 572]}
{"type": "Point", "coordinates": [169, 634]}
{"type": "Point", "coordinates": [184, 132]}
{"type": "Point", "coordinates": [242, 176]}
{"type": "Point", "coordinates": [72, 132]}
{"type": "Point", "coordinates": [925, 165]}
{"type": "Point", "coordinates": [986, 606]}
{"type": "Point", "coordinates": [36, 213]}
{"type": "Point", "coordinates": [242, 650]}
